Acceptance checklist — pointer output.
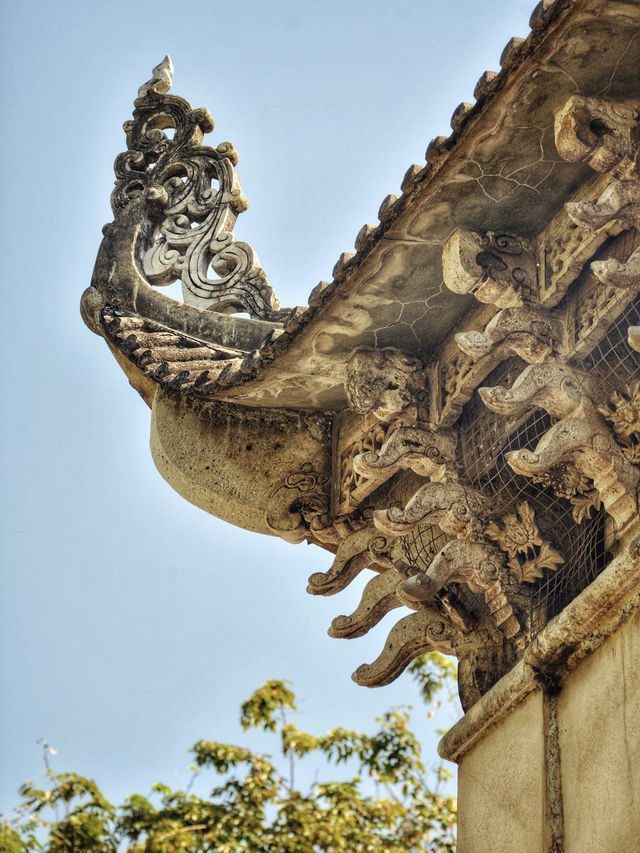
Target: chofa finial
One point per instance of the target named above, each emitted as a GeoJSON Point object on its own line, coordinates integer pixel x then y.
{"type": "Point", "coordinates": [160, 78]}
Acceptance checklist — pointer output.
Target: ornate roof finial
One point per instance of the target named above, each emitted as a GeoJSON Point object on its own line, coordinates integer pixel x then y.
{"type": "Point", "coordinates": [160, 78]}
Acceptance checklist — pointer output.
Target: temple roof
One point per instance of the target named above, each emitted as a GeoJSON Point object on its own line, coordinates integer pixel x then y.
{"type": "Point", "coordinates": [499, 170]}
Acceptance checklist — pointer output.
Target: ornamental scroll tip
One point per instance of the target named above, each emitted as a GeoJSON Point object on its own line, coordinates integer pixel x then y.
{"type": "Point", "coordinates": [160, 78]}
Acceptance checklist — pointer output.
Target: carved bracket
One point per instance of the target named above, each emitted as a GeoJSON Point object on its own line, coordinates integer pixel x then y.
{"type": "Point", "coordinates": [496, 268]}
{"type": "Point", "coordinates": [425, 451]}
{"type": "Point", "coordinates": [602, 133]}
{"type": "Point", "coordinates": [365, 548]}
{"type": "Point", "coordinates": [580, 438]}
{"type": "Point", "coordinates": [525, 332]}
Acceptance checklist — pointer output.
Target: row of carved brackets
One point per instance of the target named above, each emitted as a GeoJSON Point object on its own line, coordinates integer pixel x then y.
{"type": "Point", "coordinates": [594, 441]}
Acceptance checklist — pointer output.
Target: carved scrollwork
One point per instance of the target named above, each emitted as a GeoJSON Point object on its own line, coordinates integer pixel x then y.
{"type": "Point", "coordinates": [525, 332]}
{"type": "Point", "coordinates": [425, 451]}
{"type": "Point", "coordinates": [603, 133]}
{"type": "Point", "coordinates": [383, 381]}
{"type": "Point", "coordinates": [427, 630]}
{"type": "Point", "coordinates": [193, 197]}
{"type": "Point", "coordinates": [298, 508]}
{"type": "Point", "coordinates": [555, 387]}
{"type": "Point", "coordinates": [496, 268]}
{"type": "Point", "coordinates": [378, 598]}
{"type": "Point", "coordinates": [455, 508]}
{"type": "Point", "coordinates": [363, 549]}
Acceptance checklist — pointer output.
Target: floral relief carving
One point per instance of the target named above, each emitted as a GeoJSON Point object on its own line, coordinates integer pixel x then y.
{"type": "Point", "coordinates": [622, 411]}
{"type": "Point", "coordinates": [519, 537]}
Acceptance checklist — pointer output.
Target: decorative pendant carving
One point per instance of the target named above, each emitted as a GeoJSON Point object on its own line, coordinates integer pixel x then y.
{"type": "Point", "coordinates": [567, 482]}
{"type": "Point", "coordinates": [602, 133]}
{"type": "Point", "coordinates": [193, 197]}
{"type": "Point", "coordinates": [496, 268]}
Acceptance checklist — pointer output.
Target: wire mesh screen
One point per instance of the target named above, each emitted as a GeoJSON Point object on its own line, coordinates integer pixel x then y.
{"type": "Point", "coordinates": [486, 438]}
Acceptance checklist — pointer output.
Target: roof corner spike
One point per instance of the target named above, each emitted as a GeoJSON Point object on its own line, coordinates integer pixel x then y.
{"type": "Point", "coordinates": [160, 78]}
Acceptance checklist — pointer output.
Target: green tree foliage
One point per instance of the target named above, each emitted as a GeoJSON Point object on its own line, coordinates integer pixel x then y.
{"type": "Point", "coordinates": [388, 805]}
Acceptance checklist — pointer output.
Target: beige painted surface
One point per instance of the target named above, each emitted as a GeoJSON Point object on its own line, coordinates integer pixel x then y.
{"type": "Point", "coordinates": [501, 786]}
{"type": "Point", "coordinates": [599, 721]}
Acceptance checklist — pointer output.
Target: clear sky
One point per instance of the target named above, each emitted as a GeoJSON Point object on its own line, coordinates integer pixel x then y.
{"type": "Point", "coordinates": [132, 624]}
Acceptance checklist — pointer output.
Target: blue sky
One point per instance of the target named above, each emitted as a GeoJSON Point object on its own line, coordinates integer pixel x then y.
{"type": "Point", "coordinates": [132, 624]}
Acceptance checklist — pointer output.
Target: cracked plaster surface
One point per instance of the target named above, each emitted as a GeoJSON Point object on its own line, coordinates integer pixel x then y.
{"type": "Point", "coordinates": [507, 177]}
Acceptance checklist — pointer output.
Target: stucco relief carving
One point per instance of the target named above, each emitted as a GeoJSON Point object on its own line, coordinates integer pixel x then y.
{"type": "Point", "coordinates": [383, 381]}
{"type": "Point", "coordinates": [192, 196]}
{"type": "Point", "coordinates": [299, 507]}
{"type": "Point", "coordinates": [499, 269]}
{"type": "Point", "coordinates": [603, 133]}
{"type": "Point", "coordinates": [427, 452]}
{"type": "Point", "coordinates": [580, 438]}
